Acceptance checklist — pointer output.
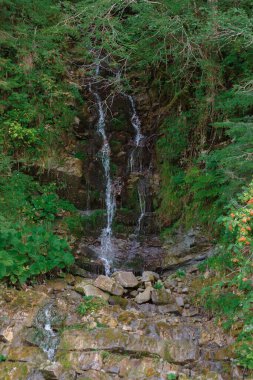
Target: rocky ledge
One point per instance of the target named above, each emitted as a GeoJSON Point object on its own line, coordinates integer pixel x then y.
{"type": "Point", "coordinates": [118, 327]}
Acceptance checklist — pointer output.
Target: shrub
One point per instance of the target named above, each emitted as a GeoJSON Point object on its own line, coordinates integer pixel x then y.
{"type": "Point", "coordinates": [28, 244]}
{"type": "Point", "coordinates": [231, 295]}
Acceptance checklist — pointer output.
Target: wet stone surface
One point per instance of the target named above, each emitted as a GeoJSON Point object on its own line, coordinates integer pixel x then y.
{"type": "Point", "coordinates": [149, 331]}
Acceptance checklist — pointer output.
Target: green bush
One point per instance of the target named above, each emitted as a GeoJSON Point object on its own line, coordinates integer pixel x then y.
{"type": "Point", "coordinates": [28, 244]}
{"type": "Point", "coordinates": [230, 296]}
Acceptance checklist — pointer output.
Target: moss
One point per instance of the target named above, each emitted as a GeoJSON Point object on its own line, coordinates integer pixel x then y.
{"type": "Point", "coordinates": [11, 371]}
{"type": "Point", "coordinates": [64, 359]}
{"type": "Point", "coordinates": [117, 300]}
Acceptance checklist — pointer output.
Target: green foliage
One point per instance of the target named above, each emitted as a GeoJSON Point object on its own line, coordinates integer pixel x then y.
{"type": "Point", "coordinates": [171, 376]}
{"type": "Point", "coordinates": [36, 103]}
{"type": "Point", "coordinates": [90, 304]}
{"type": "Point", "coordinates": [158, 285]}
{"type": "Point", "coordinates": [2, 358]}
{"type": "Point", "coordinates": [29, 251]}
{"type": "Point", "coordinates": [180, 273]}
{"type": "Point", "coordinates": [74, 224]}
{"type": "Point", "coordinates": [231, 294]}
{"type": "Point", "coordinates": [28, 244]}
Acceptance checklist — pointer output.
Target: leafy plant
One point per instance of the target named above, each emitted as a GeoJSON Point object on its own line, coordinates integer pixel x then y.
{"type": "Point", "coordinates": [231, 294]}
{"type": "Point", "coordinates": [2, 358]}
{"type": "Point", "coordinates": [171, 376]}
{"type": "Point", "coordinates": [28, 244]}
{"type": "Point", "coordinates": [180, 273]}
{"type": "Point", "coordinates": [158, 285]}
{"type": "Point", "coordinates": [90, 304]}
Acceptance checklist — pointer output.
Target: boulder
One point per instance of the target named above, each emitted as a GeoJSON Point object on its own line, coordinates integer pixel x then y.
{"type": "Point", "coordinates": [161, 297]}
{"type": "Point", "coordinates": [109, 285]}
{"type": "Point", "coordinates": [90, 290]}
{"type": "Point", "coordinates": [80, 286]}
{"type": "Point", "coordinates": [144, 296]}
{"type": "Point", "coordinates": [182, 351]}
{"type": "Point", "coordinates": [126, 279]}
{"type": "Point", "coordinates": [149, 276]}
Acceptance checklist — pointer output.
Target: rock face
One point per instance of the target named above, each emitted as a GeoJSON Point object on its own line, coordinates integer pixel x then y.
{"type": "Point", "coordinates": [126, 279]}
{"type": "Point", "coordinates": [67, 169]}
{"type": "Point", "coordinates": [130, 339]}
{"type": "Point", "coordinates": [186, 247]}
{"type": "Point", "coordinates": [113, 340]}
{"type": "Point", "coordinates": [109, 285]}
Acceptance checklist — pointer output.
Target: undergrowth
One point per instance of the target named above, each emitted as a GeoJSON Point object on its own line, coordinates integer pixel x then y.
{"type": "Point", "coordinates": [90, 304]}
{"type": "Point", "coordinates": [28, 215]}
{"type": "Point", "coordinates": [230, 296]}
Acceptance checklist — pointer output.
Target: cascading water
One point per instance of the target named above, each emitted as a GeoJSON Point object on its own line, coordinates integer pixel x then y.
{"type": "Point", "coordinates": [106, 235]}
{"type": "Point", "coordinates": [136, 123]}
{"type": "Point", "coordinates": [47, 338]}
{"type": "Point", "coordinates": [142, 203]}
{"type": "Point", "coordinates": [136, 162]}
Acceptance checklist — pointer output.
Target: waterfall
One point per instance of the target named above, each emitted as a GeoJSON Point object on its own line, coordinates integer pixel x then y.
{"type": "Point", "coordinates": [142, 203]}
{"type": "Point", "coordinates": [136, 123]}
{"type": "Point", "coordinates": [136, 161]}
{"type": "Point", "coordinates": [48, 339]}
{"type": "Point", "coordinates": [106, 235]}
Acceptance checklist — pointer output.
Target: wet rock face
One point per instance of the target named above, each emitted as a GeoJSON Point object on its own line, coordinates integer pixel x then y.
{"type": "Point", "coordinates": [129, 338]}
{"type": "Point", "coordinates": [186, 247]}
{"type": "Point", "coordinates": [148, 254]}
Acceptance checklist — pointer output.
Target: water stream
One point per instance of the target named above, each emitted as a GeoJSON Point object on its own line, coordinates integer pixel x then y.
{"type": "Point", "coordinates": [135, 159]}
{"type": "Point", "coordinates": [106, 235]}
{"type": "Point", "coordinates": [142, 203]}
{"type": "Point", "coordinates": [47, 338]}
{"type": "Point", "coordinates": [136, 162]}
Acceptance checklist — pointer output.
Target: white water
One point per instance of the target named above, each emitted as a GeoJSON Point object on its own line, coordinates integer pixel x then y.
{"type": "Point", "coordinates": [50, 349]}
{"type": "Point", "coordinates": [136, 163]}
{"type": "Point", "coordinates": [106, 235]}
{"type": "Point", "coordinates": [136, 123]}
{"type": "Point", "coordinates": [48, 338]}
{"type": "Point", "coordinates": [142, 202]}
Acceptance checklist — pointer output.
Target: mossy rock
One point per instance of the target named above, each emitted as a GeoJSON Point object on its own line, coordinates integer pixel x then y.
{"type": "Point", "coordinates": [14, 371]}
{"type": "Point", "coordinates": [117, 300]}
